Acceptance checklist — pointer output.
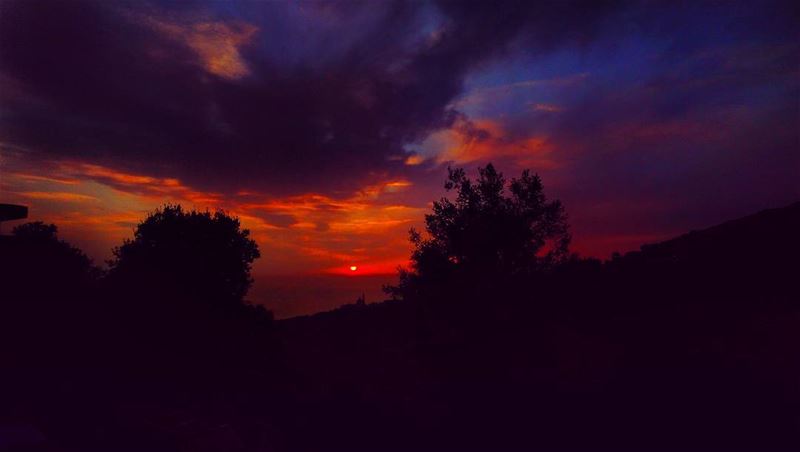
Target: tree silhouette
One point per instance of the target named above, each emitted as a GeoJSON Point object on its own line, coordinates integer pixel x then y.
{"type": "Point", "coordinates": [201, 256]}
{"type": "Point", "coordinates": [491, 229]}
{"type": "Point", "coordinates": [46, 290]}
{"type": "Point", "coordinates": [35, 260]}
{"type": "Point", "coordinates": [38, 235]}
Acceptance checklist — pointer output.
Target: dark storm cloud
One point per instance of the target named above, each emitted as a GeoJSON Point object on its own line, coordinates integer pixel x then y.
{"type": "Point", "coordinates": [224, 101]}
{"type": "Point", "coordinates": [694, 132]}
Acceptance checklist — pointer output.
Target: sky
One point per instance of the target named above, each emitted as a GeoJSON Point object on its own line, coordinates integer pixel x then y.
{"type": "Point", "coordinates": [328, 127]}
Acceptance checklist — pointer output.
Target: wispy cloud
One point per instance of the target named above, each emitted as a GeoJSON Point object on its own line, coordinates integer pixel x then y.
{"type": "Point", "coordinates": [305, 233]}
{"type": "Point", "coordinates": [549, 108]}
{"type": "Point", "coordinates": [58, 196]}
{"type": "Point", "coordinates": [493, 93]}
{"type": "Point", "coordinates": [216, 44]}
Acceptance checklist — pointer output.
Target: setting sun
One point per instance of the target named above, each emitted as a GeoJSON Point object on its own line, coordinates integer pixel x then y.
{"type": "Point", "coordinates": [353, 268]}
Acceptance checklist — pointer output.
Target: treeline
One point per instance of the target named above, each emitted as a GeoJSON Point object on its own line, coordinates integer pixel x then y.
{"type": "Point", "coordinates": [498, 338]}
{"type": "Point", "coordinates": [92, 357]}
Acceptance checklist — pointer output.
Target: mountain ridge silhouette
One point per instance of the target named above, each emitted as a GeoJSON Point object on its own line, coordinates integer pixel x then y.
{"type": "Point", "coordinates": [717, 244]}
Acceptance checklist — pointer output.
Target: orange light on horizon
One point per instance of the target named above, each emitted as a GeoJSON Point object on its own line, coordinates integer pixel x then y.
{"type": "Point", "coordinates": [368, 267]}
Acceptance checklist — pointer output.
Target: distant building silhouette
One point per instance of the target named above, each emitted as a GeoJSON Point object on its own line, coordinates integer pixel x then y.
{"type": "Point", "coordinates": [10, 212]}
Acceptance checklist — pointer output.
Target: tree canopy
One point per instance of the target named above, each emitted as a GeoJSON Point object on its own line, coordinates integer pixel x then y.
{"type": "Point", "coordinates": [37, 250]}
{"type": "Point", "coordinates": [202, 255]}
{"type": "Point", "coordinates": [491, 228]}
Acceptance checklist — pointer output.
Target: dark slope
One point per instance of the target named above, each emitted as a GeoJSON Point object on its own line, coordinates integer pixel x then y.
{"type": "Point", "coordinates": [688, 344]}
{"type": "Point", "coordinates": [767, 241]}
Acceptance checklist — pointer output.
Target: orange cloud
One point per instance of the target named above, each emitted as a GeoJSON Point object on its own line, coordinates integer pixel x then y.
{"type": "Point", "coordinates": [327, 233]}
{"type": "Point", "coordinates": [375, 190]}
{"type": "Point", "coordinates": [58, 196]}
{"type": "Point", "coordinates": [215, 43]}
{"type": "Point", "coordinates": [549, 108]}
{"type": "Point", "coordinates": [308, 233]}
{"type": "Point", "coordinates": [414, 159]}
{"type": "Point", "coordinates": [456, 145]}
{"type": "Point", "coordinates": [38, 178]}
{"type": "Point", "coordinates": [158, 189]}
{"type": "Point", "coordinates": [96, 171]}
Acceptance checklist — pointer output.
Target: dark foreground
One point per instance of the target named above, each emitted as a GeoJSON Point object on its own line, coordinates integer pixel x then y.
{"type": "Point", "coordinates": [688, 345]}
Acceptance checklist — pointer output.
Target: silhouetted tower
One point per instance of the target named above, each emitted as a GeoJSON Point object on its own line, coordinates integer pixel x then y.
{"type": "Point", "coordinates": [361, 301]}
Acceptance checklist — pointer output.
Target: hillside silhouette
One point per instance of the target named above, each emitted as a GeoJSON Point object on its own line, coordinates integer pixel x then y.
{"type": "Point", "coordinates": [685, 344]}
{"type": "Point", "coordinates": [497, 339]}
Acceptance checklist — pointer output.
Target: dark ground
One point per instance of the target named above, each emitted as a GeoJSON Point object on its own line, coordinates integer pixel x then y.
{"type": "Point", "coordinates": [687, 345]}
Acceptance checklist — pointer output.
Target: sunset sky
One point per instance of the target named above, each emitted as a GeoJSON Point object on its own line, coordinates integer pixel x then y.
{"type": "Point", "coordinates": [327, 127]}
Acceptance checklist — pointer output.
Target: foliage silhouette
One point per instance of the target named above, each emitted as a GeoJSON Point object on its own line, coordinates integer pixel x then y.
{"type": "Point", "coordinates": [44, 281]}
{"type": "Point", "coordinates": [491, 229]}
{"type": "Point", "coordinates": [47, 312]}
{"type": "Point", "coordinates": [201, 255]}
{"type": "Point", "coordinates": [167, 323]}
{"type": "Point", "coordinates": [179, 286]}
{"type": "Point", "coordinates": [36, 244]}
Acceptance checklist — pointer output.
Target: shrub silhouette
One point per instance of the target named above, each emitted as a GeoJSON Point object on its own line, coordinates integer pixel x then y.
{"type": "Point", "coordinates": [491, 229]}
{"type": "Point", "coordinates": [168, 323]}
{"type": "Point", "coordinates": [41, 274]}
{"type": "Point", "coordinates": [36, 251]}
{"type": "Point", "coordinates": [46, 290]}
{"type": "Point", "coordinates": [201, 256]}
{"type": "Point", "coordinates": [178, 288]}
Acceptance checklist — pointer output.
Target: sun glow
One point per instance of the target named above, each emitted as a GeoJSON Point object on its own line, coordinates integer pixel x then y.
{"type": "Point", "coordinates": [353, 268]}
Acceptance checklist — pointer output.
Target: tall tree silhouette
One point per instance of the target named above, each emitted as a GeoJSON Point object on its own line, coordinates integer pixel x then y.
{"type": "Point", "coordinates": [491, 228]}
{"type": "Point", "coordinates": [201, 256]}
